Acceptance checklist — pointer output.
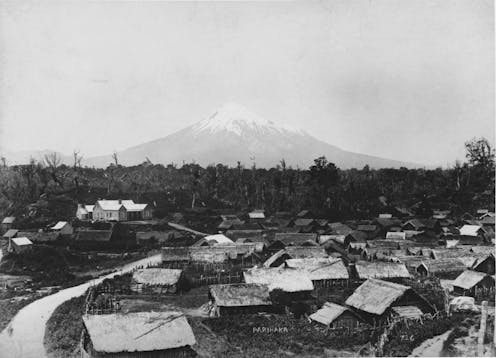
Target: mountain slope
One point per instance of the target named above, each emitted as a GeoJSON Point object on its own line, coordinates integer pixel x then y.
{"type": "Point", "coordinates": [234, 134]}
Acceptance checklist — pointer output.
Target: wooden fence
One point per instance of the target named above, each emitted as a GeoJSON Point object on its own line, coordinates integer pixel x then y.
{"type": "Point", "coordinates": [206, 266]}
{"type": "Point", "coordinates": [204, 280]}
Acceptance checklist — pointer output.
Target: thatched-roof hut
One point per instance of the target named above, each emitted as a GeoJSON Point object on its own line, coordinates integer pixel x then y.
{"type": "Point", "coordinates": [375, 298]}
{"type": "Point", "coordinates": [469, 282]}
{"type": "Point", "coordinates": [156, 280]}
{"type": "Point", "coordinates": [449, 267]}
{"type": "Point", "coordinates": [239, 298]}
{"type": "Point", "coordinates": [322, 271]}
{"type": "Point", "coordinates": [449, 253]}
{"type": "Point", "coordinates": [285, 279]}
{"type": "Point", "coordinates": [154, 334]}
{"type": "Point", "coordinates": [282, 240]}
{"type": "Point", "coordinates": [383, 270]}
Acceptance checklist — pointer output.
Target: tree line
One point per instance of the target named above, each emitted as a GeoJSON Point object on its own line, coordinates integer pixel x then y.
{"type": "Point", "coordinates": [48, 188]}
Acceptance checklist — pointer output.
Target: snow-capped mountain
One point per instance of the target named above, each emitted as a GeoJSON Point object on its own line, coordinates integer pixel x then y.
{"type": "Point", "coordinates": [237, 119]}
{"type": "Point", "coordinates": [232, 134]}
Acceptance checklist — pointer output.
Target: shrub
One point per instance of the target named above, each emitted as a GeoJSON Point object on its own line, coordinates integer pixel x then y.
{"type": "Point", "coordinates": [406, 336]}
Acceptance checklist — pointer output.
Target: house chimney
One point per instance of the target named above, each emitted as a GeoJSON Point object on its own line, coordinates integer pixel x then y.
{"type": "Point", "coordinates": [120, 201]}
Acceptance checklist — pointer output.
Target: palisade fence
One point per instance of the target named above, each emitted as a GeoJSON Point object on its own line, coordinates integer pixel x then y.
{"type": "Point", "coordinates": [484, 294]}
{"type": "Point", "coordinates": [99, 303]}
{"type": "Point", "coordinates": [224, 278]}
{"type": "Point", "coordinates": [202, 266]}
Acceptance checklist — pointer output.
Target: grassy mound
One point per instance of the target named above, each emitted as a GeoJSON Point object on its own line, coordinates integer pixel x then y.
{"type": "Point", "coordinates": [63, 329]}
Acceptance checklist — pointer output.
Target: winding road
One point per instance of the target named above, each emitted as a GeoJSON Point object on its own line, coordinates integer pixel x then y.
{"type": "Point", "coordinates": [23, 337]}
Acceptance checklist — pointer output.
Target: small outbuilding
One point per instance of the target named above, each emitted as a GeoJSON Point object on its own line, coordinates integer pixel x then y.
{"type": "Point", "coordinates": [63, 227]}
{"type": "Point", "coordinates": [7, 222]}
{"type": "Point", "coordinates": [84, 212]}
{"type": "Point", "coordinates": [19, 245]}
{"type": "Point", "coordinates": [11, 233]}
{"type": "Point", "coordinates": [257, 214]}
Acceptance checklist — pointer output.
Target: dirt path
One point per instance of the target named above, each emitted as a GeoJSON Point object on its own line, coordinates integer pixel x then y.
{"type": "Point", "coordinates": [23, 337]}
{"type": "Point", "coordinates": [431, 347]}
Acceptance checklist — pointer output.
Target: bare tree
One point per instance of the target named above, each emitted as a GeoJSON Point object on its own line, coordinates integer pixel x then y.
{"type": "Point", "coordinates": [52, 161]}
{"type": "Point", "coordinates": [76, 167]}
{"type": "Point", "coordinates": [479, 152]}
{"type": "Point", "coordinates": [77, 158]}
{"type": "Point", "coordinates": [116, 160]}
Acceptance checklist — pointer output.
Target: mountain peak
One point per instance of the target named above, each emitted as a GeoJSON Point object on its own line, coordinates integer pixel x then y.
{"type": "Point", "coordinates": [235, 118]}
{"type": "Point", "coordinates": [232, 112]}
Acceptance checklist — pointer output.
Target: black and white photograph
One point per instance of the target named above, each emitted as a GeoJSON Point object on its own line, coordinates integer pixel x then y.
{"type": "Point", "coordinates": [230, 179]}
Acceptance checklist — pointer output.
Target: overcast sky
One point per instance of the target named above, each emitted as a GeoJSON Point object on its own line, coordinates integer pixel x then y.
{"type": "Point", "coordinates": [408, 80]}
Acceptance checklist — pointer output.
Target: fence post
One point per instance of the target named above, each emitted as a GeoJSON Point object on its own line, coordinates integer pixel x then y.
{"type": "Point", "coordinates": [482, 330]}
{"type": "Point", "coordinates": [446, 302]}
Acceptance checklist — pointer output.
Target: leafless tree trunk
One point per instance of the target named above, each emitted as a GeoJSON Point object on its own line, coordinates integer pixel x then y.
{"type": "Point", "coordinates": [77, 165]}
{"type": "Point", "coordinates": [53, 160]}
{"type": "Point", "coordinates": [77, 159]}
{"type": "Point", "coordinates": [116, 160]}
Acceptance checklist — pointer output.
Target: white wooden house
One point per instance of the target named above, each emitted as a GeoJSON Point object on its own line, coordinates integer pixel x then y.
{"type": "Point", "coordinates": [121, 210]}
